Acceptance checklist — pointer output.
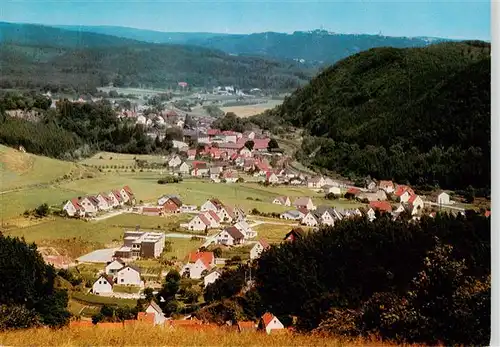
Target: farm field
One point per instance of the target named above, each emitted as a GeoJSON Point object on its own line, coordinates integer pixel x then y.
{"type": "Point", "coordinates": [251, 110]}
{"type": "Point", "coordinates": [120, 159]}
{"type": "Point", "coordinates": [18, 169]}
{"type": "Point", "coordinates": [274, 233]}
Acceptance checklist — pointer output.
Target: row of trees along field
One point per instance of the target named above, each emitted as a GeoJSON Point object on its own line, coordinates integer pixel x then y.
{"type": "Point", "coordinates": [420, 115]}
{"type": "Point", "coordinates": [73, 130]}
{"type": "Point", "coordinates": [420, 282]}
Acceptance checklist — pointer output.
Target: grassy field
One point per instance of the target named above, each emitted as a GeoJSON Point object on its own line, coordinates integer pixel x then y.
{"type": "Point", "coordinates": [145, 335]}
{"type": "Point", "coordinates": [120, 159]}
{"type": "Point", "coordinates": [181, 247]}
{"type": "Point", "coordinates": [273, 233]}
{"type": "Point", "coordinates": [251, 110]}
{"type": "Point", "coordinates": [97, 300]}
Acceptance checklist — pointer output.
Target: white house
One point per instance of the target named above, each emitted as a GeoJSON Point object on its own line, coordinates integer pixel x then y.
{"type": "Point", "coordinates": [404, 196]}
{"type": "Point", "coordinates": [213, 218]}
{"type": "Point", "coordinates": [211, 277]}
{"type": "Point", "coordinates": [88, 205]}
{"type": "Point", "coordinates": [226, 214]}
{"type": "Point", "coordinates": [257, 250]}
{"type": "Point", "coordinates": [371, 214]}
{"type": "Point", "coordinates": [292, 215]}
{"type": "Point", "coordinates": [113, 267]}
{"type": "Point", "coordinates": [199, 222]}
{"type": "Point", "coordinates": [104, 203]}
{"type": "Point", "coordinates": [304, 202]}
{"type": "Point", "coordinates": [211, 205]}
{"type": "Point", "coordinates": [245, 229]}
{"type": "Point", "coordinates": [73, 208]}
{"type": "Point", "coordinates": [332, 190]}
{"type": "Point", "coordinates": [443, 198]}
{"type": "Point", "coordinates": [245, 152]}
{"type": "Point", "coordinates": [174, 161]}
{"type": "Point", "coordinates": [103, 285]}
{"type": "Point", "coordinates": [157, 311]}
{"type": "Point", "coordinates": [269, 322]}
{"type": "Point", "coordinates": [184, 168]}
{"type": "Point", "coordinates": [282, 200]}
{"type": "Point", "coordinates": [198, 262]}
{"type": "Point", "coordinates": [113, 199]}
{"type": "Point", "coordinates": [416, 201]}
{"type": "Point", "coordinates": [129, 276]}
{"type": "Point", "coordinates": [386, 186]}
{"type": "Point", "coordinates": [272, 178]}
{"type": "Point", "coordinates": [311, 220]}
{"type": "Point", "coordinates": [316, 182]}
{"type": "Point", "coordinates": [230, 236]}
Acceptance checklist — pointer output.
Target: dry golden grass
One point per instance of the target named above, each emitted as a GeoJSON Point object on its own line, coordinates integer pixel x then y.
{"type": "Point", "coordinates": [251, 110]}
{"type": "Point", "coordinates": [144, 335]}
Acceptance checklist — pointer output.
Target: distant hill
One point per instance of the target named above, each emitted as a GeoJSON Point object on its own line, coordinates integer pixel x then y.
{"type": "Point", "coordinates": [34, 55]}
{"type": "Point", "coordinates": [314, 47]}
{"type": "Point", "coordinates": [417, 114]}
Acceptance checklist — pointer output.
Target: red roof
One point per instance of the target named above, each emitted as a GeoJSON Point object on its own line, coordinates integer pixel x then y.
{"type": "Point", "coordinates": [128, 190]}
{"type": "Point", "coordinates": [262, 166]}
{"type": "Point", "coordinates": [191, 152]}
{"type": "Point", "coordinates": [267, 318]}
{"type": "Point", "coordinates": [234, 156]}
{"type": "Point", "coordinates": [264, 243]}
{"type": "Point", "coordinates": [381, 205]}
{"type": "Point", "coordinates": [199, 165]}
{"type": "Point", "coordinates": [229, 132]}
{"type": "Point", "coordinates": [206, 257]}
{"type": "Point", "coordinates": [386, 184]}
{"type": "Point", "coordinates": [402, 189]}
{"type": "Point", "coordinates": [354, 191]}
{"type": "Point", "coordinates": [213, 215]}
{"type": "Point", "coordinates": [204, 219]}
{"type": "Point", "coordinates": [117, 195]}
{"type": "Point", "coordinates": [213, 132]}
{"type": "Point", "coordinates": [260, 143]}
{"type": "Point", "coordinates": [76, 204]}
{"type": "Point", "coordinates": [412, 198]}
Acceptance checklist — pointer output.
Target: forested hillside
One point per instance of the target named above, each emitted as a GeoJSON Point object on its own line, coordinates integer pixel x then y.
{"type": "Point", "coordinates": [315, 47]}
{"type": "Point", "coordinates": [38, 56]}
{"type": "Point", "coordinates": [420, 115]}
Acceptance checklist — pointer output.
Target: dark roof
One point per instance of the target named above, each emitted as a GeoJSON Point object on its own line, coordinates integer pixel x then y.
{"type": "Point", "coordinates": [132, 267]}
{"type": "Point", "coordinates": [299, 232]}
{"type": "Point", "coordinates": [235, 233]}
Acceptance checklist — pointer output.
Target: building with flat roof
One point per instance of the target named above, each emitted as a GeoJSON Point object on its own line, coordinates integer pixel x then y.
{"type": "Point", "coordinates": [141, 244]}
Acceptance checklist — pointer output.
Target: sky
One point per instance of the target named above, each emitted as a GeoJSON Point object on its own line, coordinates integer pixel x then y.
{"type": "Point", "coordinates": [448, 19]}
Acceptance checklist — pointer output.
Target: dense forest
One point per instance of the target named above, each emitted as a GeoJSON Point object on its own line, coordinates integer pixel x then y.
{"type": "Point", "coordinates": [73, 130]}
{"type": "Point", "coordinates": [315, 47]}
{"type": "Point", "coordinates": [28, 292]}
{"type": "Point", "coordinates": [417, 115]}
{"type": "Point", "coordinates": [426, 282]}
{"type": "Point", "coordinates": [39, 56]}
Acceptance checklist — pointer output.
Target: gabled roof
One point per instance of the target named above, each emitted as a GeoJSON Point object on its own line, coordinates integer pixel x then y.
{"type": "Point", "coordinates": [128, 190]}
{"type": "Point", "coordinates": [267, 318]}
{"type": "Point", "coordinates": [216, 202]}
{"type": "Point", "coordinates": [229, 210]}
{"type": "Point", "coordinates": [133, 267]}
{"type": "Point", "coordinates": [175, 200]}
{"type": "Point", "coordinates": [386, 184]}
{"type": "Point", "coordinates": [412, 198]}
{"type": "Point", "coordinates": [205, 257]}
{"type": "Point", "coordinates": [93, 200]}
{"type": "Point", "coordinates": [155, 306]}
{"type": "Point", "coordinates": [199, 165]}
{"type": "Point", "coordinates": [76, 204]}
{"type": "Point", "coordinates": [295, 231]}
{"type": "Point", "coordinates": [401, 189]}
{"type": "Point", "coordinates": [282, 199]}
{"type": "Point", "coordinates": [381, 205]}
{"type": "Point", "coordinates": [302, 201]}
{"type": "Point", "coordinates": [151, 209]}
{"type": "Point", "coordinates": [120, 261]}
{"type": "Point", "coordinates": [213, 215]}
{"type": "Point", "coordinates": [353, 191]}
{"type": "Point", "coordinates": [109, 279]}
{"type": "Point", "coordinates": [117, 195]}
{"type": "Point", "coordinates": [264, 243]}
{"type": "Point", "coordinates": [235, 233]}
{"type": "Point", "coordinates": [204, 219]}
{"type": "Point", "coordinates": [246, 326]}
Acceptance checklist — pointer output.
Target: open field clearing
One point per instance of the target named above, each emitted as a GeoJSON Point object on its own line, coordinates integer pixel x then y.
{"type": "Point", "coordinates": [120, 159]}
{"type": "Point", "coordinates": [251, 110]}
{"type": "Point", "coordinates": [18, 169]}
{"type": "Point", "coordinates": [144, 335]}
{"type": "Point", "coordinates": [274, 233]}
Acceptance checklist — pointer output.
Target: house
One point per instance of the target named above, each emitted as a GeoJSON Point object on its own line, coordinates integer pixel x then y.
{"type": "Point", "coordinates": [379, 195]}
{"type": "Point", "coordinates": [73, 208]}
{"type": "Point", "coordinates": [443, 198]}
{"type": "Point", "coordinates": [103, 203]}
{"type": "Point", "coordinates": [211, 277]}
{"type": "Point", "coordinates": [213, 218]}
{"type": "Point", "coordinates": [164, 198]}
{"type": "Point", "coordinates": [200, 169]}
{"type": "Point", "coordinates": [103, 285]}
{"type": "Point", "coordinates": [416, 201]}
{"type": "Point", "coordinates": [259, 247]}
{"type": "Point", "coordinates": [296, 181]}
{"type": "Point", "coordinates": [246, 326]}
{"type": "Point", "coordinates": [271, 178]}
{"type": "Point", "coordinates": [311, 219]}
{"type": "Point", "coordinates": [114, 200]}
{"type": "Point", "coordinates": [226, 214]}
{"type": "Point", "coordinates": [199, 222]}
{"type": "Point", "coordinates": [184, 168]}
{"type": "Point", "coordinates": [315, 182]}
{"type": "Point", "coordinates": [151, 211]}
{"type": "Point", "coordinates": [141, 244]}
{"type": "Point", "coordinates": [400, 208]}
{"type": "Point", "coordinates": [230, 236]}
{"type": "Point", "coordinates": [113, 267]}
{"type": "Point", "coordinates": [403, 193]}
{"type": "Point", "coordinates": [127, 195]}
{"type": "Point", "coordinates": [211, 205]}
{"type": "Point", "coordinates": [118, 197]}
{"type": "Point", "coordinates": [328, 215]}
{"type": "Point", "coordinates": [294, 234]}
{"type": "Point", "coordinates": [230, 176]}
{"type": "Point", "coordinates": [89, 205]}
{"type": "Point", "coordinates": [370, 214]}
{"type": "Point", "coordinates": [293, 215]}
{"type": "Point", "coordinates": [331, 190]}
{"type": "Point", "coordinates": [129, 275]}
{"type": "Point", "coordinates": [269, 322]}
{"type": "Point", "coordinates": [197, 263]}
{"type": "Point", "coordinates": [191, 154]}
{"type": "Point", "coordinates": [245, 152]}
{"type": "Point", "coordinates": [382, 206]}
{"type": "Point", "coordinates": [174, 161]}
{"type": "Point", "coordinates": [304, 202]}
{"type": "Point", "coordinates": [159, 316]}
{"type": "Point", "coordinates": [245, 229]}
{"type": "Point", "coordinates": [353, 191]}
{"type": "Point", "coordinates": [386, 186]}
{"type": "Point", "coordinates": [172, 205]}
{"type": "Point", "coordinates": [370, 185]}
{"type": "Point", "coordinates": [282, 200]}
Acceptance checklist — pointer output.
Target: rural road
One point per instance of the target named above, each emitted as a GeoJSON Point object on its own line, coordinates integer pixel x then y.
{"type": "Point", "coordinates": [444, 206]}
{"type": "Point", "coordinates": [109, 215]}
